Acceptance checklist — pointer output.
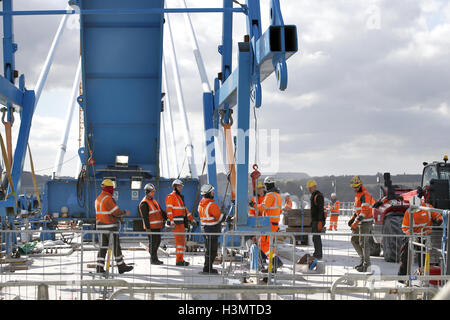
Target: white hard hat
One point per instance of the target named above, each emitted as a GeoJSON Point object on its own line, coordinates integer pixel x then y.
{"type": "Point", "coordinates": [206, 188]}
{"type": "Point", "coordinates": [287, 194]}
{"type": "Point", "coordinates": [333, 195]}
{"type": "Point", "coordinates": [149, 187]}
{"type": "Point", "coordinates": [269, 180]}
{"type": "Point", "coordinates": [177, 182]}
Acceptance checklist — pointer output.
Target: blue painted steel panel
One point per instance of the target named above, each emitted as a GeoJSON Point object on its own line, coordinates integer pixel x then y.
{"type": "Point", "coordinates": [63, 192]}
{"type": "Point", "coordinates": [9, 93]}
{"type": "Point", "coordinates": [243, 122]}
{"type": "Point", "coordinates": [121, 57]}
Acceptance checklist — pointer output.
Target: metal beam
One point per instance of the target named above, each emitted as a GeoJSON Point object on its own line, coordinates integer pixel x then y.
{"type": "Point", "coordinates": [121, 11]}
{"type": "Point", "coordinates": [208, 110]}
{"type": "Point", "coordinates": [9, 93]}
{"type": "Point", "coordinates": [243, 125]}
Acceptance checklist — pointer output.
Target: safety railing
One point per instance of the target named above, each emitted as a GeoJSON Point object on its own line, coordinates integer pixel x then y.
{"type": "Point", "coordinates": [57, 270]}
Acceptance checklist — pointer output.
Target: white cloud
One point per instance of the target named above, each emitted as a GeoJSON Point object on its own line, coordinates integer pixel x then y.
{"type": "Point", "coordinates": [353, 93]}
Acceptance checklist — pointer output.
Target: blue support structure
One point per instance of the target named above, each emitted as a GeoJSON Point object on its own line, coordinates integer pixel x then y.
{"type": "Point", "coordinates": [121, 50]}
{"type": "Point", "coordinates": [208, 111]}
{"type": "Point", "coordinates": [258, 58]}
{"type": "Point", "coordinates": [243, 125]}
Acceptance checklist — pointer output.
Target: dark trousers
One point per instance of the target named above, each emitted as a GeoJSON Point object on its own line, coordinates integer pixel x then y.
{"type": "Point", "coordinates": [403, 269]}
{"type": "Point", "coordinates": [104, 244]}
{"type": "Point", "coordinates": [211, 246]}
{"type": "Point", "coordinates": [154, 240]}
{"type": "Point", "coordinates": [317, 239]}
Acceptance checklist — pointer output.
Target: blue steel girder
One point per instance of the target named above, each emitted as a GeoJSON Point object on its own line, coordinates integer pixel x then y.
{"type": "Point", "coordinates": [264, 54]}
{"type": "Point", "coordinates": [9, 93]}
{"type": "Point", "coordinates": [243, 125]}
{"type": "Point", "coordinates": [269, 53]}
{"type": "Point", "coordinates": [208, 110]}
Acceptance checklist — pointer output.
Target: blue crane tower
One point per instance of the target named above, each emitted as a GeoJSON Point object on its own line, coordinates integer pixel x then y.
{"type": "Point", "coordinates": [121, 99]}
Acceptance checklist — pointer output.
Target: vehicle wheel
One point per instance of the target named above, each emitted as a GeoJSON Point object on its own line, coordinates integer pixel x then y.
{"type": "Point", "coordinates": [391, 245]}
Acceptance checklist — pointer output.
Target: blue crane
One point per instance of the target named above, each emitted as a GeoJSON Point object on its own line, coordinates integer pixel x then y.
{"type": "Point", "coordinates": [121, 99]}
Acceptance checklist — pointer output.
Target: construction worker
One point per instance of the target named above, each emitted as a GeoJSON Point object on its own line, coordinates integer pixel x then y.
{"type": "Point", "coordinates": [361, 223]}
{"type": "Point", "coordinates": [334, 211]}
{"type": "Point", "coordinates": [177, 214]}
{"type": "Point", "coordinates": [317, 215]}
{"type": "Point", "coordinates": [153, 218]}
{"type": "Point", "coordinates": [261, 193]}
{"type": "Point", "coordinates": [423, 220]}
{"type": "Point", "coordinates": [211, 219]}
{"type": "Point", "coordinates": [287, 202]}
{"type": "Point", "coordinates": [271, 207]}
{"type": "Point", "coordinates": [107, 217]}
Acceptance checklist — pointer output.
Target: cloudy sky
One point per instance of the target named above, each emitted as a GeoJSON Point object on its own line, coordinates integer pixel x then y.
{"type": "Point", "coordinates": [368, 91]}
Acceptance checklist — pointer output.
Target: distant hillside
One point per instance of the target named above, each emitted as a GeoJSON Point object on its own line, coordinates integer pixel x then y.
{"type": "Point", "coordinates": [27, 182]}
{"type": "Point", "coordinates": [343, 190]}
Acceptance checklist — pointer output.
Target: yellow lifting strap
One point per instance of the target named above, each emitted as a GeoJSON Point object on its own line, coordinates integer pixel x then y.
{"type": "Point", "coordinates": [8, 169]}
{"type": "Point", "coordinates": [36, 189]}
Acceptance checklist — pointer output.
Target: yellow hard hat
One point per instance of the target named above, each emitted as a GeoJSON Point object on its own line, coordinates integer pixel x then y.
{"type": "Point", "coordinates": [260, 185]}
{"type": "Point", "coordinates": [107, 183]}
{"type": "Point", "coordinates": [311, 183]}
{"type": "Point", "coordinates": [356, 182]}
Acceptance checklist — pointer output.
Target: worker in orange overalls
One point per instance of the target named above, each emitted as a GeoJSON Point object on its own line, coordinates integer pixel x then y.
{"type": "Point", "coordinates": [271, 207]}
{"type": "Point", "coordinates": [423, 220]}
{"type": "Point", "coordinates": [153, 218]}
{"type": "Point", "coordinates": [107, 217]}
{"type": "Point", "coordinates": [334, 211]}
{"type": "Point", "coordinates": [211, 219]}
{"type": "Point", "coordinates": [261, 193]}
{"type": "Point", "coordinates": [361, 223]}
{"type": "Point", "coordinates": [178, 214]}
{"type": "Point", "coordinates": [287, 202]}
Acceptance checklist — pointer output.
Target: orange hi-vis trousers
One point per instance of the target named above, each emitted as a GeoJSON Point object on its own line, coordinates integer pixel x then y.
{"type": "Point", "coordinates": [333, 222]}
{"type": "Point", "coordinates": [264, 242]}
{"type": "Point", "coordinates": [180, 242]}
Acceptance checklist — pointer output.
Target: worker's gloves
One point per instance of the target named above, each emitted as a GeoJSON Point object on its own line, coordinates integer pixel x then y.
{"type": "Point", "coordinates": [350, 222]}
{"type": "Point", "coordinates": [170, 224]}
{"type": "Point", "coordinates": [438, 221]}
{"type": "Point", "coordinates": [377, 204]}
{"type": "Point", "coordinates": [229, 219]}
{"type": "Point", "coordinates": [355, 224]}
{"type": "Point", "coordinates": [251, 203]}
{"type": "Point", "coordinates": [319, 226]}
{"type": "Point", "coordinates": [194, 223]}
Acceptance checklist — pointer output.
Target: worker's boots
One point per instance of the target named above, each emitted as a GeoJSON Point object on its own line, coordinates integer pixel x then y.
{"type": "Point", "coordinates": [156, 261]}
{"type": "Point", "coordinates": [359, 265]}
{"type": "Point", "coordinates": [210, 271]}
{"type": "Point", "coordinates": [125, 268]}
{"type": "Point", "coordinates": [277, 263]}
{"type": "Point", "coordinates": [100, 269]}
{"type": "Point", "coordinates": [182, 263]}
{"type": "Point", "coordinates": [363, 268]}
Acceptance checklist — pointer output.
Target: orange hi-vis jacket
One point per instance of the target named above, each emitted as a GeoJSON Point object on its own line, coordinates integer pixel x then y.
{"type": "Point", "coordinates": [288, 204]}
{"type": "Point", "coordinates": [423, 220]}
{"type": "Point", "coordinates": [176, 211]}
{"type": "Point", "coordinates": [363, 205]}
{"type": "Point", "coordinates": [154, 213]}
{"type": "Point", "coordinates": [334, 208]}
{"type": "Point", "coordinates": [107, 211]}
{"type": "Point", "coordinates": [272, 207]}
{"type": "Point", "coordinates": [209, 212]}
{"type": "Point", "coordinates": [252, 210]}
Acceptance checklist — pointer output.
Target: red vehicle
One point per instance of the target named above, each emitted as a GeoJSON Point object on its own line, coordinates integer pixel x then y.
{"type": "Point", "coordinates": [388, 216]}
{"type": "Point", "coordinates": [389, 211]}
